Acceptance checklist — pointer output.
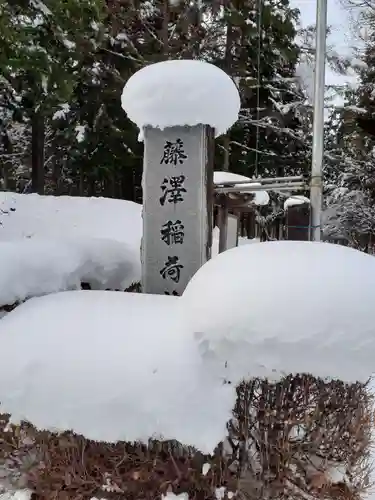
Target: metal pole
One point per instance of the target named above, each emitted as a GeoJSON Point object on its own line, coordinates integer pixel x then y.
{"type": "Point", "coordinates": [318, 124]}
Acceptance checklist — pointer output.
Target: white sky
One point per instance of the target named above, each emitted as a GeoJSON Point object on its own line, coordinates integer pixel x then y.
{"type": "Point", "coordinates": [341, 38]}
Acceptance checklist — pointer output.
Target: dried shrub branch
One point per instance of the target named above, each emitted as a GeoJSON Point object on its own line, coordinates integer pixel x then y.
{"type": "Point", "coordinates": [301, 438]}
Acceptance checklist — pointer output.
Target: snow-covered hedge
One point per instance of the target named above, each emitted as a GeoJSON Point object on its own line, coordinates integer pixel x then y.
{"type": "Point", "coordinates": [301, 437]}
{"type": "Point", "coordinates": [50, 244]}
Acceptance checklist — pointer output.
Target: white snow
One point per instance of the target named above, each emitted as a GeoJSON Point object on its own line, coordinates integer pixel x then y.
{"type": "Point", "coordinates": [38, 5]}
{"type": "Point", "coordinates": [112, 366]}
{"type": "Point", "coordinates": [16, 495]}
{"type": "Point", "coordinates": [80, 133]}
{"type": "Point", "coordinates": [52, 243]}
{"type": "Point", "coordinates": [181, 92]}
{"type": "Point", "coordinates": [205, 469]}
{"type": "Point", "coordinates": [172, 496]}
{"type": "Point", "coordinates": [221, 177]}
{"type": "Point", "coordinates": [62, 112]}
{"type": "Point", "coordinates": [216, 237]}
{"type": "Point", "coordinates": [221, 492]}
{"type": "Point", "coordinates": [34, 266]}
{"type": "Point", "coordinates": [260, 197]}
{"type": "Point", "coordinates": [358, 64]}
{"type": "Point", "coordinates": [292, 201]}
{"type": "Point", "coordinates": [305, 74]}
{"type": "Point", "coordinates": [284, 307]}
{"type": "Point", "coordinates": [337, 473]}
{"type": "Point", "coordinates": [32, 216]}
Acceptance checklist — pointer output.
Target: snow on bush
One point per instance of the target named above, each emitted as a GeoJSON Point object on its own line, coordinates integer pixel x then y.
{"type": "Point", "coordinates": [49, 244]}
{"type": "Point", "coordinates": [120, 367]}
{"type": "Point", "coordinates": [35, 216]}
{"type": "Point", "coordinates": [181, 92]}
{"type": "Point", "coordinates": [110, 366]}
{"type": "Point", "coordinates": [285, 307]}
{"type": "Point", "coordinates": [32, 267]}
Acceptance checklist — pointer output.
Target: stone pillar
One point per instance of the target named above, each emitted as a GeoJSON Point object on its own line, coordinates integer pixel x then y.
{"type": "Point", "coordinates": [177, 206]}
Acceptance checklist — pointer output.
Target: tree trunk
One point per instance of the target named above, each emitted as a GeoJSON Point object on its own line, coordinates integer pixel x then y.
{"type": "Point", "coordinates": [127, 184]}
{"type": "Point", "coordinates": [6, 165]}
{"type": "Point", "coordinates": [37, 152]}
{"type": "Point", "coordinates": [56, 177]}
{"type": "Point", "coordinates": [165, 33]}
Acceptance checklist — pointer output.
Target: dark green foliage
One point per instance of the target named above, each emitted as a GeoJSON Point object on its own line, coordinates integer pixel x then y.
{"type": "Point", "coordinates": [68, 62]}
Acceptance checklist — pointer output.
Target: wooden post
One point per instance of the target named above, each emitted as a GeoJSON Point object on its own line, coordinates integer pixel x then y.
{"type": "Point", "coordinates": [298, 222]}
{"type": "Point", "coordinates": [177, 211]}
{"type": "Point", "coordinates": [223, 223]}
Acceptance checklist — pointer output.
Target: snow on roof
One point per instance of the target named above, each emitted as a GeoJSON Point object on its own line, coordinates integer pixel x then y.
{"type": "Point", "coordinates": [284, 307]}
{"type": "Point", "coordinates": [292, 201]}
{"type": "Point", "coordinates": [50, 243]}
{"type": "Point", "coordinates": [260, 197]}
{"type": "Point", "coordinates": [113, 366]}
{"type": "Point", "coordinates": [221, 177]}
{"type": "Point", "coordinates": [182, 92]}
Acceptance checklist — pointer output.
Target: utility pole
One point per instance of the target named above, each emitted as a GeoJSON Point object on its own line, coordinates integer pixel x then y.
{"type": "Point", "coordinates": [316, 185]}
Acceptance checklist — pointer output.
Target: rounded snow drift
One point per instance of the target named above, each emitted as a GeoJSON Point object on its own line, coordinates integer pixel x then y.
{"type": "Point", "coordinates": [276, 308]}
{"type": "Point", "coordinates": [182, 92]}
{"type": "Point", "coordinates": [111, 366]}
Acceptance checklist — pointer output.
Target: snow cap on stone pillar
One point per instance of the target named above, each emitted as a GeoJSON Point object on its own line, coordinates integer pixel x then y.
{"type": "Point", "coordinates": [181, 92]}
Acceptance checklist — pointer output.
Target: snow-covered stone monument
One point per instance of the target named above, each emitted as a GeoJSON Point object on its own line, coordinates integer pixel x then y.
{"type": "Point", "coordinates": [179, 107]}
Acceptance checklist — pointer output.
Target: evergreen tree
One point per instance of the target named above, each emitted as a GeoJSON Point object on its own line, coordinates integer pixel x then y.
{"type": "Point", "coordinates": [350, 171]}
{"type": "Point", "coordinates": [43, 45]}
{"type": "Point", "coordinates": [76, 87]}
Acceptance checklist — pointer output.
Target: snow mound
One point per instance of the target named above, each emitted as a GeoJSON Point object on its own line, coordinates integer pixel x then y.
{"type": "Point", "coordinates": [50, 244]}
{"type": "Point", "coordinates": [260, 197]}
{"type": "Point", "coordinates": [285, 307]}
{"type": "Point", "coordinates": [183, 92]}
{"type": "Point", "coordinates": [32, 267]}
{"type": "Point", "coordinates": [292, 201]}
{"type": "Point", "coordinates": [32, 215]}
{"type": "Point", "coordinates": [111, 366]}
